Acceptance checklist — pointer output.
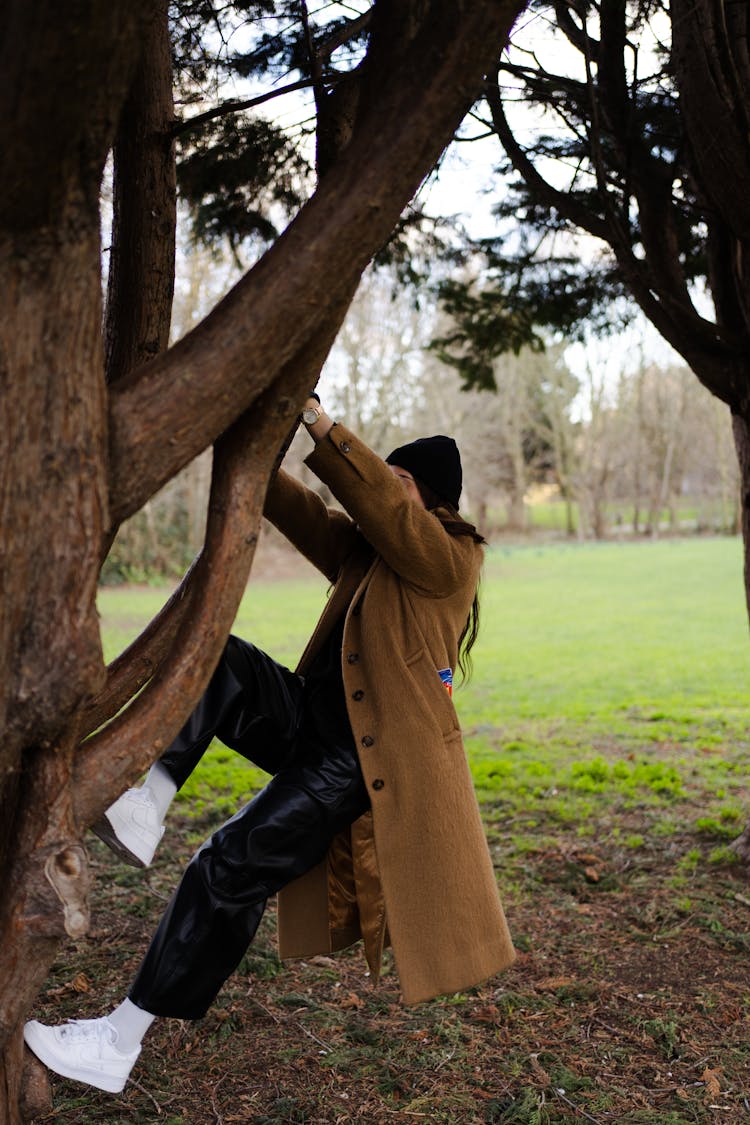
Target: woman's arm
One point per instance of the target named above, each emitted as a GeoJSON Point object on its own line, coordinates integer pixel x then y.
{"type": "Point", "coordinates": [412, 540]}
{"type": "Point", "coordinates": [323, 535]}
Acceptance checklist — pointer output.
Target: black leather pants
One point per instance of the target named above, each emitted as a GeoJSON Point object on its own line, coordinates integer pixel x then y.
{"type": "Point", "coordinates": [256, 707]}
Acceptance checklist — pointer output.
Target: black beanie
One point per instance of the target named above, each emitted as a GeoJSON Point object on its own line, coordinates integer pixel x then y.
{"type": "Point", "coordinates": [435, 461]}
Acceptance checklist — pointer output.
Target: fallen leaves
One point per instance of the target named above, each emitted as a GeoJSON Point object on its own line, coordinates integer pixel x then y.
{"type": "Point", "coordinates": [551, 984]}
{"type": "Point", "coordinates": [711, 1079]}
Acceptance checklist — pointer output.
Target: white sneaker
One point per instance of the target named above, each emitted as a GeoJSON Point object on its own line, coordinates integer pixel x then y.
{"type": "Point", "coordinates": [131, 827]}
{"type": "Point", "coordinates": [84, 1050]}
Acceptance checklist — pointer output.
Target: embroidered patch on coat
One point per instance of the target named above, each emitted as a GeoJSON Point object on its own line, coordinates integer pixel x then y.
{"type": "Point", "coordinates": [446, 675]}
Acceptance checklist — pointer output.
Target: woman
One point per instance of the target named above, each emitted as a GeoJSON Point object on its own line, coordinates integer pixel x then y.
{"type": "Point", "coordinates": [369, 827]}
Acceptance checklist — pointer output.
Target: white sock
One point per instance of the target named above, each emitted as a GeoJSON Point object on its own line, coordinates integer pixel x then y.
{"type": "Point", "coordinates": [131, 1023]}
{"type": "Point", "coordinates": [162, 788]}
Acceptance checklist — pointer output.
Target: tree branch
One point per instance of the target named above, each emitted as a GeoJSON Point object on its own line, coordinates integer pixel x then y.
{"type": "Point", "coordinates": [681, 325]}
{"type": "Point", "coordinates": [169, 410]}
{"type": "Point", "coordinates": [325, 49]}
{"type": "Point", "coordinates": [134, 667]}
{"type": "Point", "coordinates": [564, 202]}
{"type": "Point", "coordinates": [141, 264]}
{"type": "Point", "coordinates": [123, 749]}
{"type": "Point", "coordinates": [180, 127]}
{"type": "Point", "coordinates": [715, 121]}
{"type": "Point", "coordinates": [344, 34]}
{"type": "Point", "coordinates": [575, 33]}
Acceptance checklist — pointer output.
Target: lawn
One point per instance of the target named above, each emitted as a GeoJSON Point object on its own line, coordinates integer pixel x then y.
{"type": "Point", "coordinates": [606, 730]}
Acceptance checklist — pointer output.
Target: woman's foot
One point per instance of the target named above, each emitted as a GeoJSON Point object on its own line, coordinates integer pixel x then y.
{"type": "Point", "coordinates": [132, 827]}
{"type": "Point", "coordinates": [84, 1050]}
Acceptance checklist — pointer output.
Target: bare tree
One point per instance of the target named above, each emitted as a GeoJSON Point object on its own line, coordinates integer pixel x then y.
{"type": "Point", "coordinates": [377, 364]}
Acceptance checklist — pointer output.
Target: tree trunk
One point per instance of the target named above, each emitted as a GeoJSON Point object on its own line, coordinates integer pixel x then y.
{"type": "Point", "coordinates": [63, 70]}
{"type": "Point", "coordinates": [482, 517]}
{"type": "Point", "coordinates": [599, 520]}
{"type": "Point", "coordinates": [741, 432]}
{"type": "Point", "coordinates": [516, 511]}
{"type": "Point", "coordinates": [53, 511]}
{"type": "Point", "coordinates": [140, 283]}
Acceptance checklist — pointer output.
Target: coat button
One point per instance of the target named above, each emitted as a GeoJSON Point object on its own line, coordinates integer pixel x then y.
{"type": "Point", "coordinates": [378, 783]}
{"type": "Point", "coordinates": [368, 740]}
{"type": "Point", "coordinates": [353, 657]}
{"type": "Point", "coordinates": [344, 446]}
{"type": "Point", "coordinates": [359, 694]}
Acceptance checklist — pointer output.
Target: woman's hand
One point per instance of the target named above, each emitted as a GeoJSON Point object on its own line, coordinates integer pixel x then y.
{"type": "Point", "coordinates": [322, 424]}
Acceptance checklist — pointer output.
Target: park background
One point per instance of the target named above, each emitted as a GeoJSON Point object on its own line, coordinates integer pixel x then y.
{"type": "Point", "coordinates": [606, 727]}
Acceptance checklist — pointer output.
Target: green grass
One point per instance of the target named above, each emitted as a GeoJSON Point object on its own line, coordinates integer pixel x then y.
{"type": "Point", "coordinates": [606, 730]}
{"type": "Point", "coordinates": [551, 515]}
{"type": "Point", "coordinates": [610, 670]}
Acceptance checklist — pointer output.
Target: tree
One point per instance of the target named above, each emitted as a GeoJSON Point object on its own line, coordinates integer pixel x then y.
{"type": "Point", "coordinates": [519, 436]}
{"type": "Point", "coordinates": [645, 156]}
{"type": "Point", "coordinates": [650, 158]}
{"type": "Point", "coordinates": [80, 453]}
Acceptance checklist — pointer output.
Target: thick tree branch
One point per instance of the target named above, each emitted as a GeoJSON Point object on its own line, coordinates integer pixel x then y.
{"type": "Point", "coordinates": [611, 78]}
{"type": "Point", "coordinates": [136, 737]}
{"type": "Point", "coordinates": [141, 263]}
{"type": "Point", "coordinates": [134, 667]}
{"type": "Point", "coordinates": [169, 410]}
{"type": "Point", "coordinates": [712, 77]}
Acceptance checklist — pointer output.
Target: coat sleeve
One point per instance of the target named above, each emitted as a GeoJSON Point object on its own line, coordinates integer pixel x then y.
{"type": "Point", "coordinates": [411, 540]}
{"type": "Point", "coordinates": [323, 535]}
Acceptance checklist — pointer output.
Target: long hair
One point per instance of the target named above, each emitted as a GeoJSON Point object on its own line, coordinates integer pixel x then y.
{"type": "Point", "coordinates": [456, 525]}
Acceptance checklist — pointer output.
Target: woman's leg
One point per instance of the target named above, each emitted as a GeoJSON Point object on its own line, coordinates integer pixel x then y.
{"type": "Point", "coordinates": [252, 704]}
{"type": "Point", "coordinates": [215, 911]}
{"type": "Point", "coordinates": [214, 914]}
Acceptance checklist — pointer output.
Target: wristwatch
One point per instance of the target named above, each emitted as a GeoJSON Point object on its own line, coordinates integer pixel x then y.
{"type": "Point", "coordinates": [311, 414]}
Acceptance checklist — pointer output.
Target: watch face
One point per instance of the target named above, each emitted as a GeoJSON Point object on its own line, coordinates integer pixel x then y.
{"type": "Point", "coordinates": [310, 415]}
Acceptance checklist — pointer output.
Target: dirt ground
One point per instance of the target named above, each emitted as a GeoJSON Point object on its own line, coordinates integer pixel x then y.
{"type": "Point", "coordinates": [629, 1003]}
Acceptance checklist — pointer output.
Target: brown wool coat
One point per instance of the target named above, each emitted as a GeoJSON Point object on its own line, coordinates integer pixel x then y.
{"type": "Point", "coordinates": [416, 870]}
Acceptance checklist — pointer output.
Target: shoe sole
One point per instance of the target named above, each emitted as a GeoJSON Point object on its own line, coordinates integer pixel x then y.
{"type": "Point", "coordinates": [37, 1044]}
{"type": "Point", "coordinates": [106, 833]}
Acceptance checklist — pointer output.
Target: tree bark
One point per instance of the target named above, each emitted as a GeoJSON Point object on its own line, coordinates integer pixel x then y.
{"type": "Point", "coordinates": [140, 282]}
{"type": "Point", "coordinates": [54, 508]}
{"type": "Point", "coordinates": [63, 72]}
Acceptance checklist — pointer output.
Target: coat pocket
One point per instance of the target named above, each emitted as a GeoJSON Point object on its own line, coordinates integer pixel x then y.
{"type": "Point", "coordinates": [430, 692]}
